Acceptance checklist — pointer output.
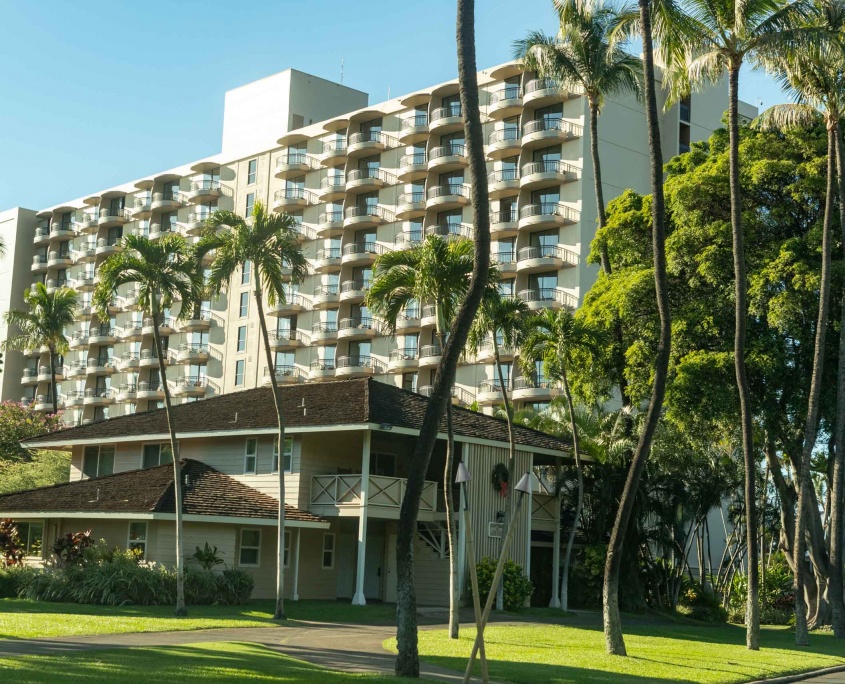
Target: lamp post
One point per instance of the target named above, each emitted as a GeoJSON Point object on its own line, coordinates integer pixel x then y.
{"type": "Point", "coordinates": [461, 479]}
{"type": "Point", "coordinates": [522, 488]}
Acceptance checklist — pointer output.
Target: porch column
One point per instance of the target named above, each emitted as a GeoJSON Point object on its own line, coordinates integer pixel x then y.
{"type": "Point", "coordinates": [358, 599]}
{"type": "Point", "coordinates": [295, 595]}
{"type": "Point", "coordinates": [528, 515]}
{"type": "Point", "coordinates": [462, 547]}
{"type": "Point", "coordinates": [555, 602]}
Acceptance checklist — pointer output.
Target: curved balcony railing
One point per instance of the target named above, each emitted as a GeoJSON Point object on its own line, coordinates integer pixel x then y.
{"type": "Point", "coordinates": [509, 92]}
{"type": "Point", "coordinates": [326, 290]}
{"type": "Point", "coordinates": [549, 294]}
{"type": "Point", "coordinates": [328, 253]}
{"type": "Point", "coordinates": [549, 166]}
{"type": "Point", "coordinates": [283, 371]}
{"type": "Point", "coordinates": [415, 159]}
{"type": "Point", "coordinates": [451, 150]}
{"type": "Point", "coordinates": [333, 183]}
{"type": "Point", "coordinates": [360, 362]}
{"type": "Point", "coordinates": [368, 210]}
{"type": "Point", "coordinates": [548, 252]}
{"type": "Point", "coordinates": [355, 285]}
{"type": "Point", "coordinates": [336, 145]}
{"type": "Point", "coordinates": [448, 191]}
{"type": "Point", "coordinates": [413, 237]}
{"type": "Point", "coordinates": [294, 193]}
{"type": "Point", "coordinates": [447, 112]}
{"type": "Point", "coordinates": [549, 209]}
{"type": "Point", "coordinates": [450, 230]}
{"type": "Point", "coordinates": [359, 323]}
{"type": "Point", "coordinates": [405, 354]}
{"type": "Point", "coordinates": [414, 121]}
{"type": "Point", "coordinates": [503, 134]}
{"type": "Point", "coordinates": [193, 348]}
{"type": "Point", "coordinates": [322, 365]}
{"type": "Point", "coordinates": [503, 175]}
{"type": "Point", "coordinates": [367, 137]}
{"type": "Point", "coordinates": [330, 217]}
{"type": "Point", "coordinates": [410, 198]}
{"type": "Point", "coordinates": [207, 185]}
{"type": "Point", "coordinates": [325, 327]}
{"type": "Point", "coordinates": [540, 84]}
{"type": "Point", "coordinates": [289, 335]}
{"type": "Point", "coordinates": [492, 386]}
{"type": "Point", "coordinates": [295, 159]}
{"type": "Point", "coordinates": [543, 125]}
{"type": "Point", "coordinates": [504, 258]}
{"type": "Point", "coordinates": [527, 382]}
{"type": "Point", "coordinates": [371, 174]}
{"type": "Point", "coordinates": [430, 350]}
{"type": "Point", "coordinates": [363, 248]}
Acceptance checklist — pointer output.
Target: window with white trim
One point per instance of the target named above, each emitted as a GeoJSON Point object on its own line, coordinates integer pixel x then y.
{"type": "Point", "coordinates": [243, 305]}
{"type": "Point", "coordinates": [252, 167]}
{"type": "Point", "coordinates": [137, 540]}
{"type": "Point", "coordinates": [250, 548]}
{"type": "Point", "coordinates": [246, 268]}
{"type": "Point", "coordinates": [156, 455]}
{"type": "Point", "coordinates": [328, 551]}
{"type": "Point", "coordinates": [32, 537]}
{"type": "Point", "coordinates": [98, 460]}
{"type": "Point", "coordinates": [250, 456]}
{"type": "Point", "coordinates": [288, 454]}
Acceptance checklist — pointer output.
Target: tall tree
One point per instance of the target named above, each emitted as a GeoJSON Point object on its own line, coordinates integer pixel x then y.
{"type": "Point", "coordinates": [44, 325]}
{"type": "Point", "coordinates": [701, 45]}
{"type": "Point", "coordinates": [610, 590]}
{"type": "Point", "coordinates": [268, 242]}
{"type": "Point", "coordinates": [163, 271]}
{"type": "Point", "coordinates": [407, 663]}
{"type": "Point", "coordinates": [554, 338]}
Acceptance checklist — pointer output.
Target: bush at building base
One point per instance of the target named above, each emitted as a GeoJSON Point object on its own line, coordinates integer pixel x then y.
{"type": "Point", "coordinates": [517, 587]}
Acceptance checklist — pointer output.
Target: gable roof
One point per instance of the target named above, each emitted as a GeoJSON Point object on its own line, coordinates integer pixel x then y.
{"type": "Point", "coordinates": [209, 493]}
{"type": "Point", "coordinates": [343, 402]}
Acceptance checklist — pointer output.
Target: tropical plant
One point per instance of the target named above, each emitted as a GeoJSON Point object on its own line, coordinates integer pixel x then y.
{"type": "Point", "coordinates": [555, 338]}
{"type": "Point", "coordinates": [208, 557]}
{"type": "Point", "coordinates": [163, 271]}
{"type": "Point", "coordinates": [407, 663]}
{"type": "Point", "coordinates": [43, 469]}
{"type": "Point", "coordinates": [70, 547]}
{"type": "Point", "coordinates": [43, 325]}
{"type": "Point", "coordinates": [269, 243]}
{"type": "Point", "coordinates": [517, 587]}
{"type": "Point", "coordinates": [11, 544]}
{"type": "Point", "coordinates": [19, 422]}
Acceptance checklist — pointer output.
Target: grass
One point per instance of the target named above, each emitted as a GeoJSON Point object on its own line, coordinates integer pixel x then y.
{"type": "Point", "coordinates": [682, 654]}
{"type": "Point", "coordinates": [191, 663]}
{"type": "Point", "coordinates": [22, 619]}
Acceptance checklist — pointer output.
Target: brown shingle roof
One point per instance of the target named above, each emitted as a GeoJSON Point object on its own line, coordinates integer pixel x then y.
{"type": "Point", "coordinates": [209, 493]}
{"type": "Point", "coordinates": [345, 402]}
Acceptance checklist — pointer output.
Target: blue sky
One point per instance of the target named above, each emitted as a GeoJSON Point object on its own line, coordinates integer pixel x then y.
{"type": "Point", "coordinates": [99, 92]}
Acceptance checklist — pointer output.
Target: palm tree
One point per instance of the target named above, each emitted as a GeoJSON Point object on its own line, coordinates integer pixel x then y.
{"type": "Point", "coordinates": [813, 77]}
{"type": "Point", "coordinates": [269, 243]}
{"type": "Point", "coordinates": [613, 563]}
{"type": "Point", "coordinates": [587, 54]}
{"type": "Point", "coordinates": [50, 313]}
{"type": "Point", "coordinates": [437, 273]}
{"type": "Point", "coordinates": [554, 338]}
{"type": "Point", "coordinates": [163, 271]}
{"type": "Point", "coordinates": [700, 46]}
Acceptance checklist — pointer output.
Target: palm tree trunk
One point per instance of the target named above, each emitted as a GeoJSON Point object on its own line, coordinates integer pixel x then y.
{"type": "Point", "coordinates": [407, 662]}
{"type": "Point", "coordinates": [500, 590]}
{"type": "Point", "coordinates": [181, 608]}
{"type": "Point", "coordinates": [613, 564]}
{"type": "Point", "coordinates": [802, 637]}
{"type": "Point", "coordinates": [597, 182]}
{"type": "Point", "coordinates": [53, 388]}
{"type": "Point", "coordinates": [837, 588]}
{"type": "Point", "coordinates": [279, 612]}
{"type": "Point", "coordinates": [564, 587]}
{"type": "Point", "coordinates": [454, 607]}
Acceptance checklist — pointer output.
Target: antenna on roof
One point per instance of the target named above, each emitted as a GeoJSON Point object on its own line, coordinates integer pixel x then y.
{"type": "Point", "coordinates": [341, 69]}
{"type": "Point", "coordinates": [302, 406]}
{"type": "Point", "coordinates": [388, 92]}
{"type": "Point", "coordinates": [236, 417]}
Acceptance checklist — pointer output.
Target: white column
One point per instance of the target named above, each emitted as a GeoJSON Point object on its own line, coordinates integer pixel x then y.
{"type": "Point", "coordinates": [295, 596]}
{"type": "Point", "coordinates": [358, 599]}
{"type": "Point", "coordinates": [529, 504]}
{"type": "Point", "coordinates": [555, 602]}
{"type": "Point", "coordinates": [462, 546]}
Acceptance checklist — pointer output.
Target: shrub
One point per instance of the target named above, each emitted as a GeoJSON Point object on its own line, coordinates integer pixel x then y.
{"type": "Point", "coordinates": [14, 579]}
{"type": "Point", "coordinates": [10, 543]}
{"type": "Point", "coordinates": [207, 556]}
{"type": "Point", "coordinates": [71, 547]}
{"type": "Point", "coordinates": [234, 587]}
{"type": "Point", "coordinates": [776, 595]}
{"type": "Point", "coordinates": [517, 587]}
{"type": "Point", "coordinates": [701, 603]}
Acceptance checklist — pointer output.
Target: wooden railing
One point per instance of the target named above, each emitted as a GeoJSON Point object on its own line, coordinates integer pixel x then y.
{"type": "Point", "coordinates": [384, 492]}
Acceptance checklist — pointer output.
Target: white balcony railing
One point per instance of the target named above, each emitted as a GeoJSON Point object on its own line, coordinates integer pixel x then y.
{"type": "Point", "coordinates": [344, 491]}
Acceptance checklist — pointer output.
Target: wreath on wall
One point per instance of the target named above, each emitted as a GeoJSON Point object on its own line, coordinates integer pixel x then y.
{"type": "Point", "coordinates": [500, 478]}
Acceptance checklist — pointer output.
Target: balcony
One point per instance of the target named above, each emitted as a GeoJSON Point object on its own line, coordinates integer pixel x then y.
{"type": "Point", "coordinates": [547, 173]}
{"type": "Point", "coordinates": [354, 291]}
{"type": "Point", "coordinates": [142, 207]}
{"type": "Point", "coordinates": [150, 391]}
{"type": "Point", "coordinates": [547, 215]}
{"type": "Point", "coordinates": [429, 355]}
{"type": "Point", "coordinates": [327, 260]}
{"type": "Point", "coordinates": [100, 366]}
{"type": "Point", "coordinates": [357, 366]}
{"type": "Point", "coordinates": [191, 386]}
{"type": "Point", "coordinates": [357, 328]}
{"type": "Point", "coordinates": [503, 223]}
{"type": "Point", "coordinates": [79, 340]}
{"type": "Point", "coordinates": [39, 264]}
{"type": "Point", "coordinates": [548, 298]}
{"type": "Point", "coordinates": [366, 142]}
{"type": "Point", "coordinates": [366, 216]}
{"type": "Point", "coordinates": [108, 246]}
{"type": "Point", "coordinates": [542, 91]}
{"type": "Point", "coordinates": [103, 334]}
{"type": "Point", "coordinates": [408, 320]}
{"type": "Point", "coordinates": [450, 231]}
{"type": "Point", "coordinates": [127, 392]}
{"type": "Point", "coordinates": [460, 397]}
{"type": "Point", "coordinates": [506, 261]}
{"type": "Point", "coordinates": [131, 301]}
{"type": "Point", "coordinates": [332, 494]}
{"type": "Point", "coordinates": [199, 321]}
{"type": "Point", "coordinates": [77, 370]}
{"type": "Point", "coordinates": [41, 236]}
{"type": "Point", "coordinates": [446, 118]}
{"type": "Point", "coordinates": [489, 393]}
{"type": "Point", "coordinates": [505, 102]}
{"type": "Point", "coordinates": [545, 258]}
{"type": "Point", "coordinates": [325, 296]}
{"type": "Point", "coordinates": [549, 131]}
{"type": "Point", "coordinates": [304, 232]}
{"type": "Point", "coordinates": [109, 218]}
{"type": "Point", "coordinates": [407, 240]}
{"type": "Point", "coordinates": [44, 374]}
{"type": "Point", "coordinates": [410, 205]}
{"type": "Point", "coordinates": [502, 183]}
{"type": "Point", "coordinates": [286, 340]}
{"type": "Point", "coordinates": [44, 403]}
{"type": "Point", "coordinates": [293, 164]}
{"type": "Point", "coordinates": [149, 359]}
{"type": "Point", "coordinates": [413, 128]}
{"type": "Point", "coordinates": [330, 224]}
{"type": "Point", "coordinates": [63, 259]}
{"type": "Point", "coordinates": [84, 282]}
{"type": "Point", "coordinates": [29, 376]}
{"type": "Point", "coordinates": [368, 180]}
{"type": "Point", "coordinates": [74, 399]}
{"type": "Point", "coordinates": [196, 222]}
{"type": "Point", "coordinates": [332, 188]}
{"type": "Point", "coordinates": [334, 152]}
{"type": "Point", "coordinates": [324, 332]}
{"type": "Point", "coordinates": [128, 361]}
{"type": "Point", "coordinates": [285, 375]}
{"type": "Point", "coordinates": [54, 284]}
{"type": "Point", "coordinates": [321, 369]}
{"type": "Point", "coordinates": [412, 167]}
{"type": "Point", "coordinates": [192, 353]}
{"type": "Point", "coordinates": [447, 158]}
{"type": "Point", "coordinates": [294, 303]}
{"type": "Point", "coordinates": [293, 198]}
{"type": "Point", "coordinates": [169, 200]}
{"type": "Point", "coordinates": [61, 231]}
{"type": "Point", "coordinates": [87, 223]}
{"type": "Point", "coordinates": [403, 359]}
{"type": "Point", "coordinates": [203, 191]}
{"type": "Point", "coordinates": [86, 252]}
{"type": "Point", "coordinates": [442, 197]}
{"type": "Point", "coordinates": [361, 253]}
{"type": "Point", "coordinates": [98, 396]}
{"type": "Point", "coordinates": [166, 326]}
{"type": "Point", "coordinates": [487, 354]}
{"type": "Point", "coordinates": [530, 389]}
{"type": "Point", "coordinates": [429, 316]}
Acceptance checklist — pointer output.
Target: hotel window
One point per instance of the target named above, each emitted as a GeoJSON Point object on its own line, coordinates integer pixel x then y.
{"type": "Point", "coordinates": [250, 203]}
{"type": "Point", "coordinates": [247, 268]}
{"type": "Point", "coordinates": [409, 382]}
{"type": "Point", "coordinates": [251, 457]}
{"type": "Point", "coordinates": [251, 169]}
{"type": "Point", "coordinates": [98, 461]}
{"type": "Point", "coordinates": [328, 551]}
{"type": "Point", "coordinates": [250, 548]}
{"type": "Point", "coordinates": [138, 538]}
{"type": "Point", "coordinates": [288, 454]}
{"type": "Point", "coordinates": [156, 455]}
{"type": "Point", "coordinates": [32, 537]}
{"type": "Point", "coordinates": [243, 309]}
{"type": "Point", "coordinates": [241, 338]}
{"type": "Point", "coordinates": [239, 372]}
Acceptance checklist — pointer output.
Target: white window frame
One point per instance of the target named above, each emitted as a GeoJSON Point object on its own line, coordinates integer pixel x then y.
{"type": "Point", "coordinates": [254, 456]}
{"type": "Point", "coordinates": [138, 542]}
{"type": "Point", "coordinates": [99, 450]}
{"type": "Point", "coordinates": [27, 542]}
{"type": "Point", "coordinates": [241, 547]}
{"type": "Point", "coordinates": [275, 466]}
{"type": "Point", "coordinates": [238, 348]}
{"type": "Point", "coordinates": [242, 363]}
{"type": "Point", "coordinates": [243, 305]}
{"type": "Point", "coordinates": [324, 551]}
{"type": "Point", "coordinates": [246, 272]}
{"type": "Point", "coordinates": [160, 446]}
{"type": "Point", "coordinates": [251, 171]}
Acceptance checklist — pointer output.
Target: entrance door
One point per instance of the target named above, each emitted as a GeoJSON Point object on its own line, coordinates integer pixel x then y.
{"type": "Point", "coordinates": [390, 568]}
{"type": "Point", "coordinates": [374, 561]}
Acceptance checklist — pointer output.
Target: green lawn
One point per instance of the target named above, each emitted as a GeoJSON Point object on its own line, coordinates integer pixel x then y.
{"type": "Point", "coordinates": [681, 654]}
{"type": "Point", "coordinates": [191, 663]}
{"type": "Point", "coordinates": [27, 619]}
